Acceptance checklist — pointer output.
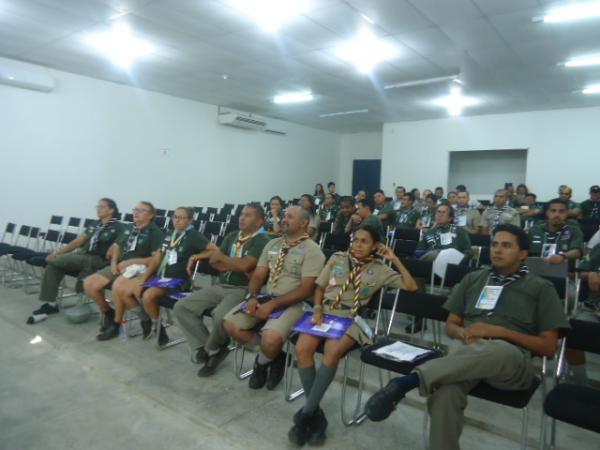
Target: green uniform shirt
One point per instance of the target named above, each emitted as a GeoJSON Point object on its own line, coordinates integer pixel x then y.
{"type": "Point", "coordinates": [427, 217]}
{"type": "Point", "coordinates": [374, 276]}
{"type": "Point", "coordinates": [493, 217]}
{"type": "Point", "coordinates": [302, 261]}
{"type": "Point", "coordinates": [327, 214]}
{"type": "Point", "coordinates": [574, 205]}
{"type": "Point", "coordinates": [148, 241]}
{"type": "Point", "coordinates": [407, 218]}
{"type": "Point", "coordinates": [387, 208]}
{"type": "Point", "coordinates": [590, 210]}
{"type": "Point", "coordinates": [468, 218]}
{"type": "Point", "coordinates": [340, 223]}
{"type": "Point", "coordinates": [375, 222]}
{"type": "Point", "coordinates": [253, 247]}
{"type": "Point", "coordinates": [449, 236]}
{"type": "Point", "coordinates": [191, 243]}
{"type": "Point", "coordinates": [567, 238]}
{"type": "Point", "coordinates": [528, 305]}
{"type": "Point", "coordinates": [99, 245]}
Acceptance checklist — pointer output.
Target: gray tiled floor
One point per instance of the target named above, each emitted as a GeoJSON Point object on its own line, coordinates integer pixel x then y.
{"type": "Point", "coordinates": [72, 392]}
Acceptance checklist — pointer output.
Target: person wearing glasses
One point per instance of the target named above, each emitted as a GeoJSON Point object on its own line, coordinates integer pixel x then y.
{"type": "Point", "coordinates": [444, 234]}
{"type": "Point", "coordinates": [83, 255]}
{"type": "Point", "coordinates": [134, 249]}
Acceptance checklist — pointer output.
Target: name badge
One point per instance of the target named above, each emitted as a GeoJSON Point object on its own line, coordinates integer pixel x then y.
{"type": "Point", "coordinates": [489, 297]}
{"type": "Point", "coordinates": [462, 221]}
{"type": "Point", "coordinates": [524, 207]}
{"type": "Point", "coordinates": [171, 257]}
{"type": "Point", "coordinates": [548, 250]}
{"type": "Point", "coordinates": [324, 327]}
{"type": "Point", "coordinates": [133, 244]}
{"type": "Point", "coordinates": [446, 238]}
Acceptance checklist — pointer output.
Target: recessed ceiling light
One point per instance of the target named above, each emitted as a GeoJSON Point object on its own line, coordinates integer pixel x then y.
{"type": "Point", "coordinates": [366, 51]}
{"type": "Point", "coordinates": [593, 89]}
{"type": "Point", "coordinates": [583, 62]}
{"type": "Point", "coordinates": [345, 113]}
{"type": "Point", "coordinates": [423, 82]}
{"type": "Point", "coordinates": [455, 102]}
{"type": "Point", "coordinates": [270, 14]}
{"type": "Point", "coordinates": [573, 12]}
{"type": "Point", "coordinates": [119, 45]}
{"type": "Point", "coordinates": [293, 97]}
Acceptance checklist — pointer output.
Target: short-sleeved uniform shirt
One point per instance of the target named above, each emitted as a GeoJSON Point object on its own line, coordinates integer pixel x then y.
{"type": "Point", "coordinates": [149, 239]}
{"type": "Point", "coordinates": [190, 243]}
{"type": "Point", "coordinates": [590, 209]}
{"type": "Point", "coordinates": [340, 222]}
{"type": "Point", "coordinates": [448, 236]}
{"type": "Point", "coordinates": [493, 217]}
{"type": "Point", "coordinates": [387, 208]}
{"type": "Point", "coordinates": [328, 213]}
{"type": "Point", "coordinates": [573, 205]}
{"type": "Point", "coordinates": [302, 261]}
{"type": "Point", "coordinates": [100, 239]}
{"type": "Point", "coordinates": [253, 247]}
{"type": "Point", "coordinates": [528, 305]}
{"type": "Point", "coordinates": [374, 276]}
{"type": "Point", "coordinates": [375, 222]}
{"type": "Point", "coordinates": [407, 218]}
{"type": "Point", "coordinates": [567, 238]}
{"type": "Point", "coordinates": [468, 218]}
{"type": "Point", "coordinates": [427, 217]}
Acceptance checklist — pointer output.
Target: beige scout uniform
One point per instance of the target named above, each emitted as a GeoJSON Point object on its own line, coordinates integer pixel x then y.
{"type": "Point", "coordinates": [468, 218]}
{"type": "Point", "coordinates": [374, 276]}
{"type": "Point", "coordinates": [493, 217]}
{"type": "Point", "coordinates": [304, 260]}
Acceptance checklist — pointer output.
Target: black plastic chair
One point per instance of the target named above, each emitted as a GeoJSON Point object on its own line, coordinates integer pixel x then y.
{"type": "Point", "coordinates": [480, 240]}
{"type": "Point", "coordinates": [407, 234]}
{"type": "Point", "coordinates": [404, 248]}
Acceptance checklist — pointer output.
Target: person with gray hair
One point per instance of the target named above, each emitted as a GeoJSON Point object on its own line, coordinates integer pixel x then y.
{"type": "Point", "coordinates": [499, 213]}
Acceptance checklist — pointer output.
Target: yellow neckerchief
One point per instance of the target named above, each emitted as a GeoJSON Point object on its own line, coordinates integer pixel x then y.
{"type": "Point", "coordinates": [283, 251]}
{"type": "Point", "coordinates": [354, 279]}
{"type": "Point", "coordinates": [240, 242]}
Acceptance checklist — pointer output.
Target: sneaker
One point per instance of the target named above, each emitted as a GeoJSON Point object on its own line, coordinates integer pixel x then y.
{"type": "Point", "coordinates": [259, 375]}
{"type": "Point", "coordinates": [46, 308]}
{"type": "Point", "coordinates": [383, 402]}
{"type": "Point", "coordinates": [300, 432]}
{"type": "Point", "coordinates": [419, 325]}
{"type": "Point", "coordinates": [112, 331]}
{"type": "Point", "coordinates": [163, 337]}
{"type": "Point", "coordinates": [317, 426]}
{"type": "Point", "coordinates": [199, 356]}
{"type": "Point", "coordinates": [213, 362]}
{"type": "Point", "coordinates": [146, 325]}
{"type": "Point", "coordinates": [276, 371]}
{"type": "Point", "coordinates": [107, 319]}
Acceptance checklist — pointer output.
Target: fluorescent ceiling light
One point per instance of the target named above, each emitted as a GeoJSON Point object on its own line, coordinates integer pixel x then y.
{"type": "Point", "coordinates": [270, 14]}
{"type": "Point", "coordinates": [455, 102]}
{"type": "Point", "coordinates": [366, 51]}
{"type": "Point", "coordinates": [583, 62]}
{"type": "Point", "coordinates": [593, 89]}
{"type": "Point", "coordinates": [293, 97]}
{"type": "Point", "coordinates": [572, 12]}
{"type": "Point", "coordinates": [345, 113]}
{"type": "Point", "coordinates": [423, 82]}
{"type": "Point", "coordinates": [119, 45]}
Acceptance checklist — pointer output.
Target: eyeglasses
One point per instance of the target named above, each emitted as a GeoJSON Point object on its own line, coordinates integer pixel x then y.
{"type": "Point", "coordinates": [139, 210]}
{"type": "Point", "coordinates": [180, 218]}
{"type": "Point", "coordinates": [101, 206]}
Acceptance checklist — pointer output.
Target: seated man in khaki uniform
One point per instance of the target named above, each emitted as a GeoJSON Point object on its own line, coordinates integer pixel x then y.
{"type": "Point", "coordinates": [465, 215]}
{"type": "Point", "coordinates": [498, 319]}
{"type": "Point", "coordinates": [289, 266]}
{"type": "Point", "coordinates": [499, 213]}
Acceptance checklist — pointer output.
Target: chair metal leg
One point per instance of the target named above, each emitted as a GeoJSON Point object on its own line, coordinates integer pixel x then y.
{"type": "Point", "coordinates": [289, 375]}
{"type": "Point", "coordinates": [358, 415]}
{"type": "Point", "coordinates": [426, 430]}
{"type": "Point", "coordinates": [552, 433]}
{"type": "Point", "coordinates": [524, 425]}
{"type": "Point", "coordinates": [238, 363]}
{"type": "Point", "coordinates": [167, 323]}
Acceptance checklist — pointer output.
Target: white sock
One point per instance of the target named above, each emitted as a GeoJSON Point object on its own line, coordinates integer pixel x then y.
{"type": "Point", "coordinates": [263, 359]}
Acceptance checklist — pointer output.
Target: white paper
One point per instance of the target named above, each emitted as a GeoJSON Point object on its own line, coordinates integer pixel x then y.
{"type": "Point", "coordinates": [445, 257]}
{"type": "Point", "coordinates": [324, 327]}
{"type": "Point", "coordinates": [401, 351]}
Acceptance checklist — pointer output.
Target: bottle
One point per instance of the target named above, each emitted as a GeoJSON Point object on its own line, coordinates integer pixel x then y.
{"type": "Point", "coordinates": [124, 330]}
{"type": "Point", "coordinates": [36, 318]}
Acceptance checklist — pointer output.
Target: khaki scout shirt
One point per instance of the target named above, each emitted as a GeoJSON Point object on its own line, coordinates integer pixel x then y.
{"type": "Point", "coordinates": [305, 260]}
{"type": "Point", "coordinates": [493, 217]}
{"type": "Point", "coordinates": [468, 218]}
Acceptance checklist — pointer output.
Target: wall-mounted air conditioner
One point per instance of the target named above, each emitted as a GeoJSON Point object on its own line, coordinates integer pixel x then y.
{"type": "Point", "coordinates": [240, 120]}
{"type": "Point", "coordinates": [14, 73]}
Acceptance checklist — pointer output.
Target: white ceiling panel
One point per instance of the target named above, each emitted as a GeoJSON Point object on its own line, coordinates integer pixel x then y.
{"type": "Point", "coordinates": [393, 15]}
{"type": "Point", "coordinates": [444, 12]}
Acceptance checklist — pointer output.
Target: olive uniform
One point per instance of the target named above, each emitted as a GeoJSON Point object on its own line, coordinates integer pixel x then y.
{"type": "Point", "coordinates": [590, 209]}
{"type": "Point", "coordinates": [83, 262]}
{"type": "Point", "coordinates": [340, 223]}
{"type": "Point", "coordinates": [387, 208]}
{"type": "Point", "coordinates": [375, 222]}
{"type": "Point", "coordinates": [407, 218]}
{"type": "Point", "coordinates": [328, 213]}
{"type": "Point", "coordinates": [221, 297]}
{"type": "Point", "coordinates": [567, 238]}
{"type": "Point", "coordinates": [314, 223]}
{"type": "Point", "coordinates": [440, 238]}
{"type": "Point", "coordinates": [304, 260]}
{"type": "Point", "coordinates": [529, 305]}
{"type": "Point", "coordinates": [183, 245]}
{"type": "Point", "coordinates": [427, 217]}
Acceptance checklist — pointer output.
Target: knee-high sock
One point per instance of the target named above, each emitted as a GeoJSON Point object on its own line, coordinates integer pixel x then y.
{"type": "Point", "coordinates": [307, 377]}
{"type": "Point", "coordinates": [322, 381]}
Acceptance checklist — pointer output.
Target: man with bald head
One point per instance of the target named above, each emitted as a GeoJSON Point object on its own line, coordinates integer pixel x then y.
{"type": "Point", "coordinates": [499, 213]}
{"type": "Point", "coordinates": [285, 276]}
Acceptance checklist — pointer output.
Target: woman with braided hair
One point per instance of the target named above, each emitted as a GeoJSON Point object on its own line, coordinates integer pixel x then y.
{"type": "Point", "coordinates": [347, 282]}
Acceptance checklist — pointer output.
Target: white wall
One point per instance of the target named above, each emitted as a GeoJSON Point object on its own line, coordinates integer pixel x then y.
{"type": "Point", "coordinates": [356, 146]}
{"type": "Point", "coordinates": [563, 148]}
{"type": "Point", "coordinates": [63, 150]}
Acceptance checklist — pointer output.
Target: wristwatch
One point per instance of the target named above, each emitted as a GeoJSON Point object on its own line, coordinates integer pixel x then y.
{"type": "Point", "coordinates": [249, 295]}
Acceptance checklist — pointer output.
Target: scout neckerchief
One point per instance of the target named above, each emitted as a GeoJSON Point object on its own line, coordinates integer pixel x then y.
{"type": "Point", "coordinates": [283, 251]}
{"type": "Point", "coordinates": [93, 245]}
{"type": "Point", "coordinates": [496, 214]}
{"type": "Point", "coordinates": [491, 293]}
{"type": "Point", "coordinates": [355, 280]}
{"type": "Point", "coordinates": [238, 245]}
{"type": "Point", "coordinates": [595, 213]}
{"type": "Point", "coordinates": [435, 239]}
{"type": "Point", "coordinates": [502, 280]}
{"type": "Point", "coordinates": [169, 245]}
{"type": "Point", "coordinates": [553, 237]}
{"type": "Point", "coordinates": [132, 239]}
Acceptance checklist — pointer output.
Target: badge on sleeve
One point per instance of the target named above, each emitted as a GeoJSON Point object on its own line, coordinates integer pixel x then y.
{"type": "Point", "coordinates": [489, 297]}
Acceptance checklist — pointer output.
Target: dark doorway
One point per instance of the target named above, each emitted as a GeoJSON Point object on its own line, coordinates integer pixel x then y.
{"type": "Point", "coordinates": [366, 175]}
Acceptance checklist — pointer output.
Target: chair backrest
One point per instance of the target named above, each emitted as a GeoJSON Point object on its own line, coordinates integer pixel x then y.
{"type": "Point", "coordinates": [160, 221]}
{"type": "Point", "coordinates": [584, 335]}
{"type": "Point", "coordinates": [418, 268]}
{"type": "Point", "coordinates": [9, 235]}
{"type": "Point", "coordinates": [128, 218]}
{"type": "Point", "coordinates": [232, 226]}
{"type": "Point", "coordinates": [222, 216]}
{"type": "Point", "coordinates": [56, 222]}
{"type": "Point", "coordinates": [337, 241]}
{"type": "Point", "coordinates": [455, 273]}
{"type": "Point", "coordinates": [161, 212]}
{"type": "Point", "coordinates": [203, 217]}
{"type": "Point", "coordinates": [74, 222]}
{"type": "Point", "coordinates": [67, 238]}
{"type": "Point", "coordinates": [407, 234]}
{"type": "Point", "coordinates": [540, 267]}
{"type": "Point", "coordinates": [228, 207]}
{"type": "Point", "coordinates": [171, 212]}
{"type": "Point", "coordinates": [211, 210]}
{"type": "Point", "coordinates": [89, 222]}
{"type": "Point", "coordinates": [403, 248]}
{"type": "Point", "coordinates": [325, 227]}
{"type": "Point", "coordinates": [214, 228]}
{"type": "Point", "coordinates": [51, 240]}
{"type": "Point", "coordinates": [480, 240]}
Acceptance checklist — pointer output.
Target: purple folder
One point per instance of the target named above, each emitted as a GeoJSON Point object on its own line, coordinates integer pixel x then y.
{"type": "Point", "coordinates": [334, 327]}
{"type": "Point", "coordinates": [165, 283]}
{"type": "Point", "coordinates": [179, 295]}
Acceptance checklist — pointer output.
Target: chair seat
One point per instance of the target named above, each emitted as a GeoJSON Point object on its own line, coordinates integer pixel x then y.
{"type": "Point", "coordinates": [574, 404]}
{"type": "Point", "coordinates": [514, 399]}
{"type": "Point", "coordinates": [169, 303]}
{"type": "Point", "coordinates": [22, 254]}
{"type": "Point", "coordinates": [368, 356]}
{"type": "Point", "coordinates": [37, 260]}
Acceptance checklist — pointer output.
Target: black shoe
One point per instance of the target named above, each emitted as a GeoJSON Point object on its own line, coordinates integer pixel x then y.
{"type": "Point", "coordinates": [107, 319]}
{"type": "Point", "coordinates": [146, 325]}
{"type": "Point", "coordinates": [300, 432]}
{"type": "Point", "coordinates": [112, 331]}
{"type": "Point", "coordinates": [163, 337]}
{"type": "Point", "coordinates": [199, 356]}
{"type": "Point", "coordinates": [383, 402]}
{"type": "Point", "coordinates": [259, 375]}
{"type": "Point", "coordinates": [46, 308]}
{"type": "Point", "coordinates": [276, 371]}
{"type": "Point", "coordinates": [317, 426]}
{"type": "Point", "coordinates": [419, 325]}
{"type": "Point", "coordinates": [213, 362]}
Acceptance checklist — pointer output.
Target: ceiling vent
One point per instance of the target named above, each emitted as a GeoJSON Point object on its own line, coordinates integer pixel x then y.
{"type": "Point", "coordinates": [240, 120]}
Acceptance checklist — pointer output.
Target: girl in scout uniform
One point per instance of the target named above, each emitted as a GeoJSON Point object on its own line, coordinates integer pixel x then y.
{"type": "Point", "coordinates": [307, 202]}
{"type": "Point", "coordinates": [345, 284]}
{"type": "Point", "coordinates": [275, 216]}
{"type": "Point", "coordinates": [328, 210]}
